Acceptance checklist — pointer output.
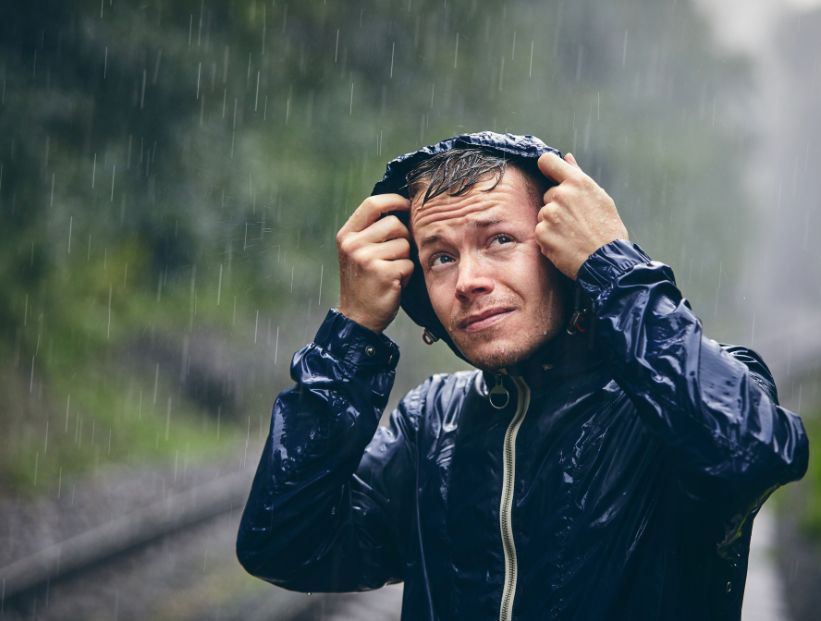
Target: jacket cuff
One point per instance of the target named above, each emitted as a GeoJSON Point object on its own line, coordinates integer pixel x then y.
{"type": "Point", "coordinates": [602, 269]}
{"type": "Point", "coordinates": [356, 345]}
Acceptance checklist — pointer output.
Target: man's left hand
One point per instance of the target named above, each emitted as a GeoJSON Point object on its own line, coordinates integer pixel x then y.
{"type": "Point", "coordinates": [578, 216]}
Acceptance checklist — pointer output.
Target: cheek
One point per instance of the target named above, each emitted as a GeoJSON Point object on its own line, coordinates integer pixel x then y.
{"type": "Point", "coordinates": [441, 298]}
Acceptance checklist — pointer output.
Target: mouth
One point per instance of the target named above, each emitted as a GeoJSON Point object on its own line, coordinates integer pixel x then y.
{"type": "Point", "coordinates": [484, 319]}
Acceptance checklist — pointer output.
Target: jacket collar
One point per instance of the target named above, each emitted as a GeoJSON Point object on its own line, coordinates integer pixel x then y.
{"type": "Point", "coordinates": [564, 357]}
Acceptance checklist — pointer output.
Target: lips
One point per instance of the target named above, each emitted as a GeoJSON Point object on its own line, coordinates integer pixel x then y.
{"type": "Point", "coordinates": [484, 319]}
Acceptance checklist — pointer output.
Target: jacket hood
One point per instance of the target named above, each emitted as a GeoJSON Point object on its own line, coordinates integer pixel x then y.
{"type": "Point", "coordinates": [523, 150]}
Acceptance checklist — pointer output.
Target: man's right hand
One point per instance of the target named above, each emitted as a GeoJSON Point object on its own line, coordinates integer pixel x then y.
{"type": "Point", "coordinates": [374, 261]}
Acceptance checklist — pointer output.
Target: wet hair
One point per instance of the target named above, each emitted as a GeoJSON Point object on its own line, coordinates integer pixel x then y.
{"type": "Point", "coordinates": [456, 171]}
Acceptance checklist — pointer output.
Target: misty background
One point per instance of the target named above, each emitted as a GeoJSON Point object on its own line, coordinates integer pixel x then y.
{"type": "Point", "coordinates": [172, 175]}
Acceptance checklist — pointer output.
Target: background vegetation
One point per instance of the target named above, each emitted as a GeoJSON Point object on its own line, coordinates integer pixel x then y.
{"type": "Point", "coordinates": [172, 175]}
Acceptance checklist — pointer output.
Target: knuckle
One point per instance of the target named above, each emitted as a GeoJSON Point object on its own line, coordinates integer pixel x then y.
{"type": "Point", "coordinates": [548, 212]}
{"type": "Point", "coordinates": [346, 244]}
{"type": "Point", "coordinates": [360, 256]}
{"type": "Point", "coordinates": [397, 227]}
{"type": "Point", "coordinates": [406, 269]}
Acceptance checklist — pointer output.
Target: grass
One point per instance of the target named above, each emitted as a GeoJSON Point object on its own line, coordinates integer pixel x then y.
{"type": "Point", "coordinates": [72, 399]}
{"type": "Point", "coordinates": [811, 519]}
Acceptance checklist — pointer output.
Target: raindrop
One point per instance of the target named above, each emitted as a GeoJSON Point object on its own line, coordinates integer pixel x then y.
{"type": "Point", "coordinates": [154, 75]}
{"type": "Point", "coordinates": [256, 96]}
{"type": "Point", "coordinates": [219, 286]}
{"type": "Point", "coordinates": [168, 416]}
{"type": "Point", "coordinates": [156, 382]}
{"type": "Point", "coordinates": [319, 297]}
{"type": "Point", "coordinates": [624, 48]}
{"type": "Point", "coordinates": [247, 441]}
{"type": "Point", "coordinates": [199, 78]}
{"type": "Point", "coordinates": [142, 90]}
{"type": "Point", "coordinates": [68, 410]}
{"type": "Point", "coordinates": [530, 67]}
{"type": "Point", "coordinates": [108, 326]}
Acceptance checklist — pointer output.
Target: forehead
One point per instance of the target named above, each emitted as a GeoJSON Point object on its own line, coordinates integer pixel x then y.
{"type": "Point", "coordinates": [512, 198]}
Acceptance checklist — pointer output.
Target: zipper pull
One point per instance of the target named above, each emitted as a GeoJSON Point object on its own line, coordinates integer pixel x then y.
{"type": "Point", "coordinates": [499, 396]}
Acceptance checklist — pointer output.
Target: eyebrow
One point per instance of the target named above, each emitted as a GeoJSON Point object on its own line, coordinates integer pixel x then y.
{"type": "Point", "coordinates": [479, 224]}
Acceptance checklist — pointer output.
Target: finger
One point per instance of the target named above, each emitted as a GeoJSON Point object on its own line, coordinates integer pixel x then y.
{"type": "Point", "coordinates": [405, 268]}
{"type": "Point", "coordinates": [569, 158]}
{"type": "Point", "coordinates": [399, 270]}
{"type": "Point", "coordinates": [550, 213]}
{"type": "Point", "coordinates": [550, 194]}
{"type": "Point", "coordinates": [389, 227]}
{"type": "Point", "coordinates": [391, 250]}
{"type": "Point", "coordinates": [372, 208]}
{"type": "Point", "coordinates": [556, 168]}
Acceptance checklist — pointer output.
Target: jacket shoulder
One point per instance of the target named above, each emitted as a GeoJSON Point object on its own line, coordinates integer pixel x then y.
{"type": "Point", "coordinates": [759, 371]}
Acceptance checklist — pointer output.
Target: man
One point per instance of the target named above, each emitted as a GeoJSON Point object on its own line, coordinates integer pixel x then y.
{"type": "Point", "coordinates": [605, 461]}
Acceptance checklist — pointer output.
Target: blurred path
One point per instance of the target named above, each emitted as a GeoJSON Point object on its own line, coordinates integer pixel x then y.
{"type": "Point", "coordinates": [764, 593]}
{"type": "Point", "coordinates": [382, 605]}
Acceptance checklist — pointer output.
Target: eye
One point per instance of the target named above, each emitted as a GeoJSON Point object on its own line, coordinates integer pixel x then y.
{"type": "Point", "coordinates": [501, 238]}
{"type": "Point", "coordinates": [439, 259]}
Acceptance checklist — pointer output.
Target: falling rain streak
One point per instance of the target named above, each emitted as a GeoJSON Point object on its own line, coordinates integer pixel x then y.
{"type": "Point", "coordinates": [208, 155]}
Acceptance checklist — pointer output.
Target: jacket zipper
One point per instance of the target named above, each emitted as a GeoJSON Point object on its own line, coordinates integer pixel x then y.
{"type": "Point", "coordinates": [506, 504]}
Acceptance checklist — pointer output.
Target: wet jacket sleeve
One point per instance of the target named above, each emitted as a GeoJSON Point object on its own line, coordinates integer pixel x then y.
{"type": "Point", "coordinates": [324, 513]}
{"type": "Point", "coordinates": [715, 406]}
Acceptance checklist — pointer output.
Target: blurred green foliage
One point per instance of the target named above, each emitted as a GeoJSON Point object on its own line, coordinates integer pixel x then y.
{"type": "Point", "coordinates": [174, 169]}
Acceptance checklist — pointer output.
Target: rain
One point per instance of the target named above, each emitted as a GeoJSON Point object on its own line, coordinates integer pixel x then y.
{"type": "Point", "coordinates": [172, 178]}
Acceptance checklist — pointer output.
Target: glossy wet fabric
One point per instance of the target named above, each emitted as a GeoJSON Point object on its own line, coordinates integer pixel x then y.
{"type": "Point", "coordinates": [645, 452]}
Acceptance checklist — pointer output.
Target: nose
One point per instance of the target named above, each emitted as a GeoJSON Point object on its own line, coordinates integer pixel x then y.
{"type": "Point", "coordinates": [473, 278]}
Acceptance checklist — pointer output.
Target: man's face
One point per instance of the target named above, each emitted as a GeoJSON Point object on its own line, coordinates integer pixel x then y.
{"type": "Point", "coordinates": [492, 289]}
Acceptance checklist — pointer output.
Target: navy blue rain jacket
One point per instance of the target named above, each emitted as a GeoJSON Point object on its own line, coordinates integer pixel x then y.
{"type": "Point", "coordinates": [614, 475]}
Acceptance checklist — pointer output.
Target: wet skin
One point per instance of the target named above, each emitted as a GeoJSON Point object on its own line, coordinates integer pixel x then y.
{"type": "Point", "coordinates": [491, 287]}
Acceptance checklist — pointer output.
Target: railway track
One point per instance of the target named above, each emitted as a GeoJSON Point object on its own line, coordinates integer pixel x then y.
{"type": "Point", "coordinates": [120, 536]}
